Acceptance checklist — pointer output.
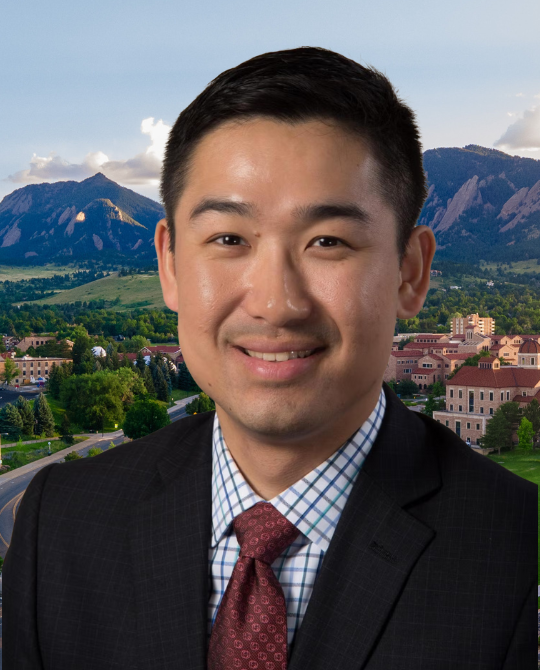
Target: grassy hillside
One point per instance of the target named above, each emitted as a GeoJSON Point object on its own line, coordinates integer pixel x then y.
{"type": "Point", "coordinates": [16, 273]}
{"type": "Point", "coordinates": [134, 291]}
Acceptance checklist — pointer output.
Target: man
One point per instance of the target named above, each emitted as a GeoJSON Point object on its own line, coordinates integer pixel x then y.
{"type": "Point", "coordinates": [313, 521]}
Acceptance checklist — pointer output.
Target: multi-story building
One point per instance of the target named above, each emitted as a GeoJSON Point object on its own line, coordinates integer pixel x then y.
{"type": "Point", "coordinates": [475, 393]}
{"type": "Point", "coordinates": [34, 341]}
{"type": "Point", "coordinates": [486, 325]}
{"type": "Point", "coordinates": [29, 368]}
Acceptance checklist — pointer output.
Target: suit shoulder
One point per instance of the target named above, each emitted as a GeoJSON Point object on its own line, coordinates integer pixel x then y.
{"type": "Point", "coordinates": [134, 465]}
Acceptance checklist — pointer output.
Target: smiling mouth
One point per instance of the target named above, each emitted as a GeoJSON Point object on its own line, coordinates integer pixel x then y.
{"type": "Point", "coordinates": [281, 356]}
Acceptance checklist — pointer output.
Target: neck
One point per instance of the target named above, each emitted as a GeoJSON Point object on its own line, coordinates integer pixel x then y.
{"type": "Point", "coordinates": [271, 467]}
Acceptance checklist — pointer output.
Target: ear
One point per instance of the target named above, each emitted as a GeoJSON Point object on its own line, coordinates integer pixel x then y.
{"type": "Point", "coordinates": [166, 265]}
{"type": "Point", "coordinates": [415, 272]}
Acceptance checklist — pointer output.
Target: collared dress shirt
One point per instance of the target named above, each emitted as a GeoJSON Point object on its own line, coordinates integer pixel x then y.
{"type": "Point", "coordinates": [313, 504]}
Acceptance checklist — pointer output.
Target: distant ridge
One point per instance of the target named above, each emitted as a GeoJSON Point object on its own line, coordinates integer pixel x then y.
{"type": "Point", "coordinates": [77, 220]}
{"type": "Point", "coordinates": [482, 204]}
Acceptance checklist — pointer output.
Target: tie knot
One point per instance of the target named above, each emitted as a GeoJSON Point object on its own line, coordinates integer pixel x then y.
{"type": "Point", "coordinates": [263, 532]}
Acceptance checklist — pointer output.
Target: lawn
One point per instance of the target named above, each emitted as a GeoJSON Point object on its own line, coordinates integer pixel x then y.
{"type": "Point", "coordinates": [178, 394]}
{"type": "Point", "coordinates": [56, 445]}
{"type": "Point", "coordinates": [526, 464]}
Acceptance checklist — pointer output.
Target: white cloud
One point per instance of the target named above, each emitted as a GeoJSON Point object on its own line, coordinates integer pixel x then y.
{"type": "Point", "coordinates": [523, 134]}
{"type": "Point", "coordinates": [142, 169]}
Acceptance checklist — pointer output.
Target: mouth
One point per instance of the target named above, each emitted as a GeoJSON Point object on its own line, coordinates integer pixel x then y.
{"type": "Point", "coordinates": [281, 356]}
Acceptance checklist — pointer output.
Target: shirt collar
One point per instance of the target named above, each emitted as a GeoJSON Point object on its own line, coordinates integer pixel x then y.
{"type": "Point", "coordinates": [313, 504]}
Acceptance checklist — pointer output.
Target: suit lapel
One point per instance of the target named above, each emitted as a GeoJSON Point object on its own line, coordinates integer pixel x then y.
{"type": "Point", "coordinates": [169, 536]}
{"type": "Point", "coordinates": [375, 546]}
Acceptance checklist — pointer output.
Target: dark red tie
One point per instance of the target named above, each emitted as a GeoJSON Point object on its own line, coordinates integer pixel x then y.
{"type": "Point", "coordinates": [250, 630]}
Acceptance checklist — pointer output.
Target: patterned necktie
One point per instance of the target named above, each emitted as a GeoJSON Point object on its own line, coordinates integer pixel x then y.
{"type": "Point", "coordinates": [250, 630]}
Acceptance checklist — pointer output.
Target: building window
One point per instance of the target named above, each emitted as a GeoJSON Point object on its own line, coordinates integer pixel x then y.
{"type": "Point", "coordinates": [461, 408]}
{"type": "Point", "coordinates": [446, 365]}
{"type": "Point", "coordinates": [407, 370]}
{"type": "Point", "coordinates": [502, 395]}
{"type": "Point", "coordinates": [481, 395]}
{"type": "Point", "coordinates": [451, 393]}
{"type": "Point", "coordinates": [446, 422]}
{"type": "Point", "coordinates": [446, 376]}
{"type": "Point", "coordinates": [477, 426]}
{"type": "Point", "coordinates": [468, 426]}
{"type": "Point", "coordinates": [460, 393]}
{"type": "Point", "coordinates": [508, 395]}
{"type": "Point", "coordinates": [451, 408]}
{"type": "Point", "coordinates": [491, 410]}
{"type": "Point", "coordinates": [471, 401]}
{"type": "Point", "coordinates": [524, 392]}
{"type": "Point", "coordinates": [532, 361]}
{"type": "Point", "coordinates": [491, 395]}
{"type": "Point", "coordinates": [481, 410]}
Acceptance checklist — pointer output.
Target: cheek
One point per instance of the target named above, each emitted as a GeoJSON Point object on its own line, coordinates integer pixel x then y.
{"type": "Point", "coordinates": [204, 297]}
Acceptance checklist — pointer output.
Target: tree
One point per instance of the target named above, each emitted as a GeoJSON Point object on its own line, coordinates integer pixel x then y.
{"type": "Point", "coordinates": [532, 412]}
{"type": "Point", "coordinates": [185, 380]}
{"type": "Point", "coordinates": [160, 384]}
{"type": "Point", "coordinates": [44, 420]}
{"type": "Point", "coordinates": [512, 412]}
{"type": "Point", "coordinates": [148, 381]}
{"type": "Point", "coordinates": [11, 422]}
{"type": "Point", "coordinates": [136, 343]}
{"type": "Point", "coordinates": [430, 406]}
{"type": "Point", "coordinates": [202, 403]}
{"type": "Point", "coordinates": [498, 432]}
{"type": "Point", "coordinates": [144, 417]}
{"type": "Point", "coordinates": [525, 434]}
{"type": "Point", "coordinates": [81, 347]}
{"type": "Point", "coordinates": [10, 371]}
{"type": "Point", "coordinates": [27, 415]}
{"type": "Point", "coordinates": [66, 432]}
{"type": "Point", "coordinates": [140, 363]}
{"type": "Point", "coordinates": [92, 400]}
{"type": "Point", "coordinates": [407, 387]}
{"type": "Point", "coordinates": [438, 389]}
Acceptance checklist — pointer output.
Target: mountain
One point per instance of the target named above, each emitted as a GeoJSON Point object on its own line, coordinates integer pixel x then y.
{"type": "Point", "coordinates": [482, 204]}
{"type": "Point", "coordinates": [67, 220]}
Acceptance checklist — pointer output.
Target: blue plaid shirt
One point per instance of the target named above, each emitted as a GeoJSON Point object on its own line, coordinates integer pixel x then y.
{"type": "Point", "coordinates": [313, 504]}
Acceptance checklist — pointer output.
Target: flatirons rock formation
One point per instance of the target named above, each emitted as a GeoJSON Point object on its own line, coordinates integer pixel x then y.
{"type": "Point", "coordinates": [95, 218]}
{"type": "Point", "coordinates": [483, 203]}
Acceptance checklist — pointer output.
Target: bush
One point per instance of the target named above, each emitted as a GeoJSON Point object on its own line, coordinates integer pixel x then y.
{"type": "Point", "coordinates": [202, 403]}
{"type": "Point", "coordinates": [94, 451]}
{"type": "Point", "coordinates": [72, 456]}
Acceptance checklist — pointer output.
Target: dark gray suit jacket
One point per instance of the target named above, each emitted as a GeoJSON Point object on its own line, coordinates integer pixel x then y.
{"type": "Point", "coordinates": [432, 565]}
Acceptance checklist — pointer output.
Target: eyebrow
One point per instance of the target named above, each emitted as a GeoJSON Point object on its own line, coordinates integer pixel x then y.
{"type": "Point", "coordinates": [305, 213]}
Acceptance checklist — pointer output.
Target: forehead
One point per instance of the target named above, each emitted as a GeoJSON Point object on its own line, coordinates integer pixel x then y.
{"type": "Point", "coordinates": [247, 150]}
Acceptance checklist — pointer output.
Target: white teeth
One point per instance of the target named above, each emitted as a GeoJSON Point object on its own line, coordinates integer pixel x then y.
{"type": "Point", "coordinates": [280, 356]}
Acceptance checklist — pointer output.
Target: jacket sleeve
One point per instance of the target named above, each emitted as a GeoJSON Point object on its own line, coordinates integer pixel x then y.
{"type": "Point", "coordinates": [20, 640]}
{"type": "Point", "coordinates": [522, 651]}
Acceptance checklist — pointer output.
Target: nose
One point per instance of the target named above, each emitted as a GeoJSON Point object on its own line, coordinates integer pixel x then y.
{"type": "Point", "coordinates": [277, 290]}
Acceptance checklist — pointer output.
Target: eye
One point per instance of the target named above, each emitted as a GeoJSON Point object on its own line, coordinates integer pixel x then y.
{"type": "Point", "coordinates": [229, 240]}
{"type": "Point", "coordinates": [328, 242]}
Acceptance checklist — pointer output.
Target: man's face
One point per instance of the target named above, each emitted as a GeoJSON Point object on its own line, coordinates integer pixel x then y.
{"type": "Point", "coordinates": [283, 244]}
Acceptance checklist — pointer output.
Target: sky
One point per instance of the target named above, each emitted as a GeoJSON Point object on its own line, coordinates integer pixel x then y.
{"type": "Point", "coordinates": [96, 86]}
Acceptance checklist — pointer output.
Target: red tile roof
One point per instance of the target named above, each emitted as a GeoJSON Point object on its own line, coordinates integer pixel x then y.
{"type": "Point", "coordinates": [409, 352]}
{"type": "Point", "coordinates": [164, 349]}
{"type": "Point", "coordinates": [432, 335]}
{"type": "Point", "coordinates": [434, 356]}
{"type": "Point", "coordinates": [504, 377]}
{"type": "Point", "coordinates": [417, 345]}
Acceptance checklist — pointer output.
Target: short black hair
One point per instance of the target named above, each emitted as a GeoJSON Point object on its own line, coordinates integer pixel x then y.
{"type": "Point", "coordinates": [305, 84]}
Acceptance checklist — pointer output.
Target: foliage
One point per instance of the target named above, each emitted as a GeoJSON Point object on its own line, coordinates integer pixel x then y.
{"type": "Point", "coordinates": [202, 403]}
{"type": "Point", "coordinates": [66, 432]}
{"type": "Point", "coordinates": [438, 389]}
{"type": "Point", "coordinates": [433, 405]}
{"type": "Point", "coordinates": [144, 417]}
{"type": "Point", "coordinates": [10, 371]}
{"type": "Point", "coordinates": [532, 412]}
{"type": "Point", "coordinates": [44, 421]}
{"type": "Point", "coordinates": [92, 400]}
{"type": "Point", "coordinates": [498, 431]}
{"type": "Point", "coordinates": [94, 451]}
{"type": "Point", "coordinates": [406, 387]}
{"type": "Point", "coordinates": [185, 381]}
{"type": "Point", "coordinates": [57, 374]}
{"type": "Point", "coordinates": [11, 422]}
{"type": "Point", "coordinates": [27, 415]}
{"type": "Point", "coordinates": [525, 434]}
{"type": "Point", "coordinates": [72, 456]}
